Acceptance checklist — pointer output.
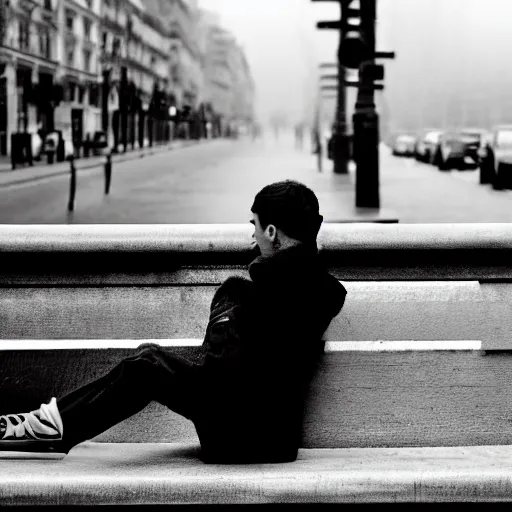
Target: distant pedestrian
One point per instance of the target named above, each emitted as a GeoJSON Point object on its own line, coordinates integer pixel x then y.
{"type": "Point", "coordinates": [317, 147]}
{"type": "Point", "coordinates": [276, 132]}
{"type": "Point", "coordinates": [299, 136]}
{"type": "Point", "coordinates": [256, 132]}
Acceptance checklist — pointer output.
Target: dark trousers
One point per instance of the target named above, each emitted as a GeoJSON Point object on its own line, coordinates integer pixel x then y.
{"type": "Point", "coordinates": [153, 373]}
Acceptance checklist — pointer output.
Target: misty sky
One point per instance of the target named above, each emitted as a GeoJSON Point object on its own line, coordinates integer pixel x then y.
{"type": "Point", "coordinates": [282, 46]}
{"type": "Point", "coordinates": [452, 63]}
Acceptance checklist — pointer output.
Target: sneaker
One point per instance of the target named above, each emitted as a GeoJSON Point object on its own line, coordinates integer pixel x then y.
{"type": "Point", "coordinates": [32, 435]}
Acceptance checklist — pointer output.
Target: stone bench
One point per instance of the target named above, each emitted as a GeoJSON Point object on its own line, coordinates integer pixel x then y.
{"type": "Point", "coordinates": [411, 402]}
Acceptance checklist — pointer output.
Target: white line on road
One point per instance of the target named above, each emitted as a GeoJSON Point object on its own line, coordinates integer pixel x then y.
{"type": "Point", "coordinates": [401, 346]}
{"type": "Point", "coordinates": [330, 346]}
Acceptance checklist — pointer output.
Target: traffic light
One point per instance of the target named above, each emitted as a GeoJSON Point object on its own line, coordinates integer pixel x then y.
{"type": "Point", "coordinates": [357, 43]}
{"type": "Point", "coordinates": [353, 48]}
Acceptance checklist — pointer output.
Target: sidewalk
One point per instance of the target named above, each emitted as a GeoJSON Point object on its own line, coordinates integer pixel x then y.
{"type": "Point", "coordinates": [218, 186]}
{"type": "Point", "coordinates": [279, 160]}
{"type": "Point", "coordinates": [41, 170]}
{"type": "Point", "coordinates": [216, 183]}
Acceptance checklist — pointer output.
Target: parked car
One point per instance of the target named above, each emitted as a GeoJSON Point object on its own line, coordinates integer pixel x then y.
{"type": "Point", "coordinates": [419, 149]}
{"type": "Point", "coordinates": [426, 148]}
{"type": "Point", "coordinates": [459, 149]}
{"type": "Point", "coordinates": [495, 156]}
{"type": "Point", "coordinates": [403, 145]}
{"type": "Point", "coordinates": [99, 143]}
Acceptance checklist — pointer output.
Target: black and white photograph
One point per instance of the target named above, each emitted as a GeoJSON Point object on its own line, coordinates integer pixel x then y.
{"type": "Point", "coordinates": [255, 253]}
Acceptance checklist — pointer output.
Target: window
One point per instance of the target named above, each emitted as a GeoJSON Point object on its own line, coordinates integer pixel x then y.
{"type": "Point", "coordinates": [94, 97]}
{"type": "Point", "coordinates": [70, 96]}
{"type": "Point", "coordinates": [70, 57]}
{"type": "Point", "coordinates": [89, 4]}
{"type": "Point", "coordinates": [87, 61]}
{"type": "Point", "coordinates": [81, 94]}
{"type": "Point", "coordinates": [87, 29]}
{"type": "Point", "coordinates": [23, 84]}
{"type": "Point", "coordinates": [116, 47]}
{"type": "Point", "coordinates": [48, 5]}
{"type": "Point", "coordinates": [24, 35]}
{"type": "Point", "coordinates": [70, 20]}
{"type": "Point", "coordinates": [44, 43]}
{"type": "Point", "coordinates": [104, 38]}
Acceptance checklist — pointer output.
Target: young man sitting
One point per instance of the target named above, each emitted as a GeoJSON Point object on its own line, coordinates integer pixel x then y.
{"type": "Point", "coordinates": [261, 347]}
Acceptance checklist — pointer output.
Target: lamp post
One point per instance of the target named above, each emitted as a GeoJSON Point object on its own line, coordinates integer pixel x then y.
{"type": "Point", "coordinates": [104, 99]}
{"type": "Point", "coordinates": [339, 138]}
{"type": "Point", "coordinates": [142, 123]}
{"type": "Point", "coordinates": [357, 51]}
{"type": "Point", "coordinates": [123, 106]}
{"type": "Point", "coordinates": [339, 142]}
{"type": "Point", "coordinates": [366, 118]}
{"type": "Point", "coordinates": [172, 112]}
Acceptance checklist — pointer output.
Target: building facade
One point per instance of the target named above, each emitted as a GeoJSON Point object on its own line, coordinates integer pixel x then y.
{"type": "Point", "coordinates": [228, 83]}
{"type": "Point", "coordinates": [135, 74]}
{"type": "Point", "coordinates": [243, 96]}
{"type": "Point", "coordinates": [148, 75]}
{"type": "Point", "coordinates": [78, 114]}
{"type": "Point", "coordinates": [216, 76]}
{"type": "Point", "coordinates": [208, 71]}
{"type": "Point", "coordinates": [181, 21]}
{"type": "Point", "coordinates": [82, 67]}
{"type": "Point", "coordinates": [29, 65]}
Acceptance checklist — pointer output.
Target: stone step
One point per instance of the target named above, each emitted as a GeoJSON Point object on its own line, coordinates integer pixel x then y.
{"type": "Point", "coordinates": [435, 310]}
{"type": "Point", "coordinates": [364, 394]}
{"type": "Point", "coordinates": [160, 474]}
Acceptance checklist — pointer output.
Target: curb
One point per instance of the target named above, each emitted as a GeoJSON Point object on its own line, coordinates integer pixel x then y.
{"type": "Point", "coordinates": [132, 156]}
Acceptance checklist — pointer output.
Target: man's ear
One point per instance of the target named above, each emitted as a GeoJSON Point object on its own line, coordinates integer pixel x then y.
{"type": "Point", "coordinates": [271, 232]}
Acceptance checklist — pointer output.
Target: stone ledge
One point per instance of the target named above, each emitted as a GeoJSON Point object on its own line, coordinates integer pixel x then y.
{"type": "Point", "coordinates": [236, 238]}
{"type": "Point", "coordinates": [151, 474]}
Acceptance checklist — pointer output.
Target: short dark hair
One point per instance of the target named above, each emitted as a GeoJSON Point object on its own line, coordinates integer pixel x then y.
{"type": "Point", "coordinates": [291, 207]}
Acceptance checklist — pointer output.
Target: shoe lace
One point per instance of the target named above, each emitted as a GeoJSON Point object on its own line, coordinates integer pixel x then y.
{"type": "Point", "coordinates": [15, 425]}
{"type": "Point", "coordinates": [42, 423]}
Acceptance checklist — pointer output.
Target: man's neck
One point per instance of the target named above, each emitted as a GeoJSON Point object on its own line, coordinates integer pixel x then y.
{"type": "Point", "coordinates": [286, 243]}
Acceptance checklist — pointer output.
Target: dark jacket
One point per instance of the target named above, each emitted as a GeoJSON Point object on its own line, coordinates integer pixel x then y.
{"type": "Point", "coordinates": [261, 347]}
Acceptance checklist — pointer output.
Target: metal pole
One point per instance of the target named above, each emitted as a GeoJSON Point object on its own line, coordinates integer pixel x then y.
{"type": "Point", "coordinates": [108, 173]}
{"type": "Point", "coordinates": [104, 101]}
{"type": "Point", "coordinates": [319, 151]}
{"type": "Point", "coordinates": [340, 143]}
{"type": "Point", "coordinates": [366, 122]}
{"type": "Point", "coordinates": [72, 184]}
{"type": "Point", "coordinates": [123, 105]}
